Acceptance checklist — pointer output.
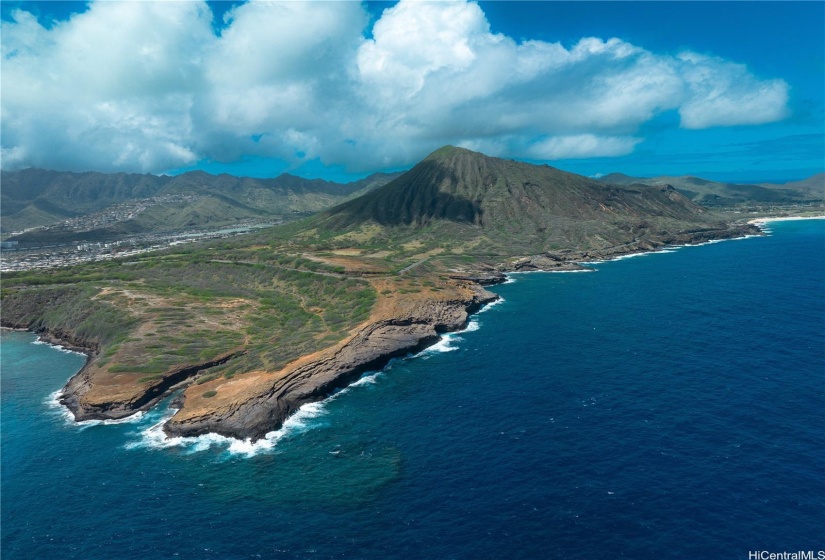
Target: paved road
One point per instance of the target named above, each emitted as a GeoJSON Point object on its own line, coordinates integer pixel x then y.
{"type": "Point", "coordinates": [413, 265]}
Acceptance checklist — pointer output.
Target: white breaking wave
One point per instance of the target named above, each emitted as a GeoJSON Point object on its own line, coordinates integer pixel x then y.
{"type": "Point", "coordinates": [304, 419]}
{"type": "Point", "coordinates": [510, 275]}
{"type": "Point", "coordinates": [764, 223]}
{"type": "Point", "coordinates": [443, 345]}
{"type": "Point", "coordinates": [492, 304]}
{"type": "Point", "coordinates": [448, 340]}
{"type": "Point", "coordinates": [472, 325]}
{"type": "Point", "coordinates": [631, 256]}
{"type": "Point", "coordinates": [53, 402]}
{"type": "Point", "coordinates": [58, 347]}
{"type": "Point", "coordinates": [760, 221]}
{"type": "Point", "coordinates": [668, 249]}
{"type": "Point", "coordinates": [307, 416]}
{"type": "Point", "coordinates": [153, 437]}
{"type": "Point", "coordinates": [133, 419]}
{"type": "Point", "coordinates": [370, 379]}
{"type": "Point", "coordinates": [712, 241]}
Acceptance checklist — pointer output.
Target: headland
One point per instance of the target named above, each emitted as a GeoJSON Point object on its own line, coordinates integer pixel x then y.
{"type": "Point", "coordinates": [250, 329]}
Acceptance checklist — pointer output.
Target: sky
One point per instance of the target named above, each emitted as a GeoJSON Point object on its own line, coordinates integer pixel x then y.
{"type": "Point", "coordinates": [730, 91]}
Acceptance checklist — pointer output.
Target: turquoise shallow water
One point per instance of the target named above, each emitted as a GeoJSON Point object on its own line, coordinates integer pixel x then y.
{"type": "Point", "coordinates": [664, 406]}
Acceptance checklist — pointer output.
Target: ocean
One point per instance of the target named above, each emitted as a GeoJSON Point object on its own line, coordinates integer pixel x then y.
{"type": "Point", "coordinates": [670, 405]}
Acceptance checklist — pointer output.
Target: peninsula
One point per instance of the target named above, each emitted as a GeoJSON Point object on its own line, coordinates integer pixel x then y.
{"type": "Point", "coordinates": [251, 328]}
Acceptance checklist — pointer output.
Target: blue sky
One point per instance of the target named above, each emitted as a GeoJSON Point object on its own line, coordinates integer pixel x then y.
{"type": "Point", "coordinates": [723, 90]}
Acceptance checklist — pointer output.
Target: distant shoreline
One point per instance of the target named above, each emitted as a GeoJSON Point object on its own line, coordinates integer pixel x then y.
{"type": "Point", "coordinates": [46, 337]}
{"type": "Point", "coordinates": [360, 356]}
{"type": "Point", "coordinates": [759, 221]}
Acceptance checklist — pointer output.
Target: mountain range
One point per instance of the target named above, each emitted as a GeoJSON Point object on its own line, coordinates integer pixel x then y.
{"type": "Point", "coordinates": [721, 194]}
{"type": "Point", "coordinates": [89, 205]}
{"type": "Point", "coordinates": [38, 197]}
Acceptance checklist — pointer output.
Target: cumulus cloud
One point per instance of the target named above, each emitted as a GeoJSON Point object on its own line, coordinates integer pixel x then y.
{"type": "Point", "coordinates": [149, 86]}
{"type": "Point", "coordinates": [581, 146]}
{"type": "Point", "coordinates": [110, 89]}
{"type": "Point", "coordinates": [721, 93]}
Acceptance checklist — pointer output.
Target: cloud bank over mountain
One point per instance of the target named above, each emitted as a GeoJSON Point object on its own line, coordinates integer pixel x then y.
{"type": "Point", "coordinates": [150, 86]}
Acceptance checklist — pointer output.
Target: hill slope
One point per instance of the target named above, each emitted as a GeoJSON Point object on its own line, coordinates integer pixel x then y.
{"type": "Point", "coordinates": [457, 198]}
{"type": "Point", "coordinates": [37, 197]}
{"type": "Point", "coordinates": [714, 193]}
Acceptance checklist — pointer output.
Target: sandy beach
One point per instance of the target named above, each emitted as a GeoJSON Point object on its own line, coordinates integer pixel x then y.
{"type": "Point", "coordinates": [760, 221]}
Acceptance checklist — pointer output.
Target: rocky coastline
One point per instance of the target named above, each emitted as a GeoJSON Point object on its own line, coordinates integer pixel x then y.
{"type": "Point", "coordinates": [73, 393]}
{"type": "Point", "coordinates": [55, 338]}
{"type": "Point", "coordinates": [371, 348]}
{"type": "Point", "coordinates": [405, 327]}
{"type": "Point", "coordinates": [569, 260]}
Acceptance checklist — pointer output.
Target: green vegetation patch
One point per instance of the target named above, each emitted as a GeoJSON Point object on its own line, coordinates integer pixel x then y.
{"type": "Point", "coordinates": [195, 305]}
{"type": "Point", "coordinates": [71, 311]}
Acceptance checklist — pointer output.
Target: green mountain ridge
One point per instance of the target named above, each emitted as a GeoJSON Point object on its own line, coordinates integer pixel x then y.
{"type": "Point", "coordinates": [456, 197]}
{"type": "Point", "coordinates": [37, 197]}
{"type": "Point", "coordinates": [715, 193]}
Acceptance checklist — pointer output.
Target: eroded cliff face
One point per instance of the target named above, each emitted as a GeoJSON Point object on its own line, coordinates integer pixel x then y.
{"type": "Point", "coordinates": [58, 316]}
{"type": "Point", "coordinates": [250, 404]}
{"type": "Point", "coordinates": [95, 394]}
{"type": "Point", "coordinates": [403, 320]}
{"type": "Point", "coordinates": [257, 403]}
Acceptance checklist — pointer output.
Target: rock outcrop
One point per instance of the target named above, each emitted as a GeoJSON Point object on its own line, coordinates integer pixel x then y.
{"type": "Point", "coordinates": [87, 401]}
{"type": "Point", "coordinates": [271, 401]}
{"type": "Point", "coordinates": [252, 404]}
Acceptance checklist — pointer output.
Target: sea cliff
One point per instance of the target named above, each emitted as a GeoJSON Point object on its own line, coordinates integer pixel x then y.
{"type": "Point", "coordinates": [256, 404]}
{"type": "Point", "coordinates": [253, 328]}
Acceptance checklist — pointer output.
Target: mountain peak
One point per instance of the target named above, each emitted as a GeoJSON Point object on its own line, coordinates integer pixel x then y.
{"type": "Point", "coordinates": [451, 151]}
{"type": "Point", "coordinates": [508, 202]}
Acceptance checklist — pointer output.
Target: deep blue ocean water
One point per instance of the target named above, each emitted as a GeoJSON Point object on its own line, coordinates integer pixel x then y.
{"type": "Point", "coordinates": [665, 406]}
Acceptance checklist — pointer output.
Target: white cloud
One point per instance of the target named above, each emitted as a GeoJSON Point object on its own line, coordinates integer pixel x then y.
{"type": "Point", "coordinates": [413, 41]}
{"type": "Point", "coordinates": [148, 86]}
{"type": "Point", "coordinates": [581, 146]}
{"type": "Point", "coordinates": [721, 93]}
{"type": "Point", "coordinates": [110, 89]}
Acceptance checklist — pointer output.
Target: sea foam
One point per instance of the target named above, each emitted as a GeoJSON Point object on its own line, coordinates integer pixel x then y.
{"type": "Point", "coordinates": [153, 436]}
{"type": "Point", "coordinates": [306, 418]}
{"type": "Point", "coordinates": [57, 347]}
{"type": "Point", "coordinates": [472, 325]}
{"type": "Point", "coordinates": [443, 345]}
{"type": "Point", "coordinates": [714, 241]}
{"type": "Point", "coordinates": [510, 275]}
{"type": "Point", "coordinates": [492, 304]}
{"type": "Point", "coordinates": [53, 402]}
{"type": "Point", "coordinates": [633, 255]}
